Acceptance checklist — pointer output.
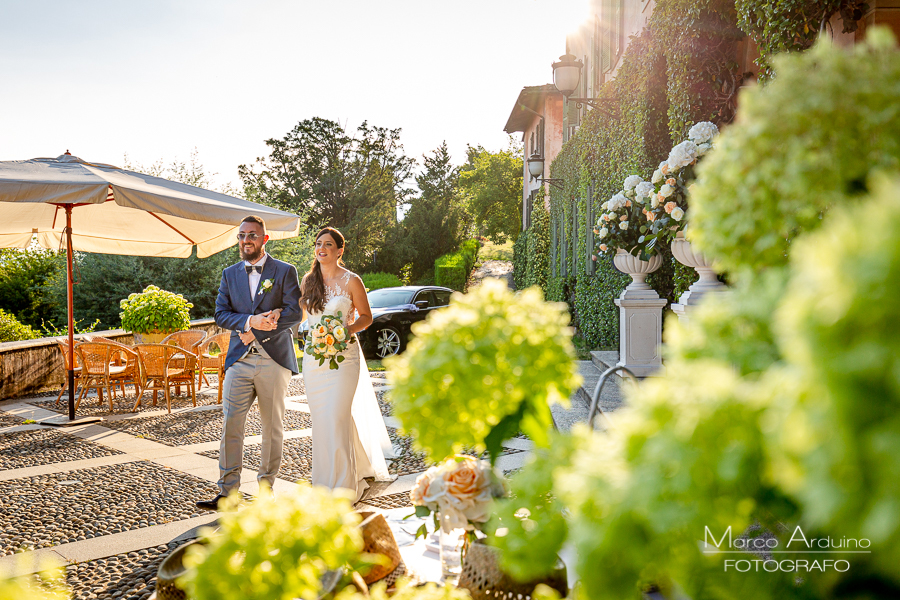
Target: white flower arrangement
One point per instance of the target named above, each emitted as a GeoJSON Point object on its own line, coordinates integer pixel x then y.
{"type": "Point", "coordinates": [665, 214]}
{"type": "Point", "coordinates": [265, 286]}
{"type": "Point", "coordinates": [643, 190]}
{"type": "Point", "coordinates": [458, 492]}
{"type": "Point", "coordinates": [631, 181]}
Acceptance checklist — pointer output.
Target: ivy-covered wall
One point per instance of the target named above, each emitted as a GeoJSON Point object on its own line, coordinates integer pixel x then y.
{"type": "Point", "coordinates": [680, 70]}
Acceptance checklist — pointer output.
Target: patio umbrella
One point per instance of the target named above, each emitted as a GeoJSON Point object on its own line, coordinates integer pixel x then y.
{"type": "Point", "coordinates": [94, 207]}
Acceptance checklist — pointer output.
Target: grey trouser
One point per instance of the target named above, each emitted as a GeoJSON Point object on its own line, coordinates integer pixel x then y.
{"type": "Point", "coordinates": [252, 377]}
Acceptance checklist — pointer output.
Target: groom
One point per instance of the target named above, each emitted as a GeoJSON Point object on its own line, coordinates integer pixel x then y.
{"type": "Point", "coordinates": [259, 301]}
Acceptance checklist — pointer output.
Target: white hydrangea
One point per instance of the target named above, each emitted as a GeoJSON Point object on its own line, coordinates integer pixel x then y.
{"type": "Point", "coordinates": [631, 181]}
{"type": "Point", "coordinates": [643, 190]}
{"type": "Point", "coordinates": [677, 213]}
{"type": "Point", "coordinates": [618, 201]}
{"type": "Point", "coordinates": [703, 132]}
{"type": "Point", "coordinates": [682, 155]}
{"type": "Point", "coordinates": [657, 176]}
{"type": "Point", "coordinates": [703, 148]}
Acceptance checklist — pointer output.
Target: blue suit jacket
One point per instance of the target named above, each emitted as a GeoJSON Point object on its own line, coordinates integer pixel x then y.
{"type": "Point", "coordinates": [234, 306]}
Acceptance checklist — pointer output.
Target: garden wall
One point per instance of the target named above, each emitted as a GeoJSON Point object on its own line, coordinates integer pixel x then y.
{"type": "Point", "coordinates": [33, 366]}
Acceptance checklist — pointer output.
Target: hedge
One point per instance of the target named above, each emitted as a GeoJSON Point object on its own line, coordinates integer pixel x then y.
{"type": "Point", "coordinates": [452, 270]}
{"type": "Point", "coordinates": [376, 281]}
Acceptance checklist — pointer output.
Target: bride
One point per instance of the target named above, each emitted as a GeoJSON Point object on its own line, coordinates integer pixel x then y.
{"type": "Point", "coordinates": [349, 438]}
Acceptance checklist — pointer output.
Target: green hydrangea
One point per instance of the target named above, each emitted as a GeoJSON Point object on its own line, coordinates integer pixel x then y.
{"type": "Point", "coordinates": [483, 368]}
{"type": "Point", "coordinates": [804, 143]}
{"type": "Point", "coordinates": [275, 550]}
{"type": "Point", "coordinates": [155, 310]}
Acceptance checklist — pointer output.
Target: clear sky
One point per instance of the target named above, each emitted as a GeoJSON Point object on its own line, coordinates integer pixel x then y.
{"type": "Point", "coordinates": [157, 79]}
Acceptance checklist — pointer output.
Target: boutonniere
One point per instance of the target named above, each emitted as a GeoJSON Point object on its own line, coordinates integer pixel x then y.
{"type": "Point", "coordinates": [265, 286]}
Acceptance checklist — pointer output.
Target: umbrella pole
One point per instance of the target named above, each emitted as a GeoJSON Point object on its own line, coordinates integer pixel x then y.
{"type": "Point", "coordinates": [70, 310]}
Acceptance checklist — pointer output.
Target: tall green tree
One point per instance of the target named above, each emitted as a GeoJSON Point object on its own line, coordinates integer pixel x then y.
{"type": "Point", "coordinates": [354, 182]}
{"type": "Point", "coordinates": [436, 220]}
{"type": "Point", "coordinates": [25, 278]}
{"type": "Point", "coordinates": [492, 185]}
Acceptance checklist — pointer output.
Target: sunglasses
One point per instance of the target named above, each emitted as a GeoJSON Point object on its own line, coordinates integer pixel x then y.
{"type": "Point", "coordinates": [250, 236]}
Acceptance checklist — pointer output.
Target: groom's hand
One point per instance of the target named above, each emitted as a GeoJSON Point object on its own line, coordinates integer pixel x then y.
{"type": "Point", "coordinates": [247, 337]}
{"type": "Point", "coordinates": [264, 322]}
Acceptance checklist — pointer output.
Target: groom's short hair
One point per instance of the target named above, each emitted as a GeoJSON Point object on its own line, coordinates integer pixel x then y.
{"type": "Point", "coordinates": [255, 219]}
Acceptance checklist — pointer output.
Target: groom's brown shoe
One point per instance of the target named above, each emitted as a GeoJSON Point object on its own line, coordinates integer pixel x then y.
{"type": "Point", "coordinates": [210, 504]}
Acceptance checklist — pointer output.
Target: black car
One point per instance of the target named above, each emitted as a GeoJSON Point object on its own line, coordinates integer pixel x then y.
{"type": "Point", "coordinates": [394, 310]}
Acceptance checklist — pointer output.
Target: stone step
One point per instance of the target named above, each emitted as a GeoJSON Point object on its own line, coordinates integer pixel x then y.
{"type": "Point", "coordinates": [604, 359]}
{"type": "Point", "coordinates": [580, 402]}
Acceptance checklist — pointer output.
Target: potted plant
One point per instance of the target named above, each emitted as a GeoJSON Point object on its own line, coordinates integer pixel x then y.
{"type": "Point", "coordinates": [154, 313]}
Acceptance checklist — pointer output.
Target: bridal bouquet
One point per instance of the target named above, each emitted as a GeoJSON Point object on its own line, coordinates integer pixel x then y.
{"type": "Point", "coordinates": [328, 340]}
{"type": "Point", "coordinates": [458, 492]}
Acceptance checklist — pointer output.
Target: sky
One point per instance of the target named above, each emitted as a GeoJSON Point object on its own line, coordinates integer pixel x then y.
{"type": "Point", "coordinates": [159, 80]}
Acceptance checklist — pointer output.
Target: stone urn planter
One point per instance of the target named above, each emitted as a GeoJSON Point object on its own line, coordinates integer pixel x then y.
{"type": "Point", "coordinates": [640, 316]}
{"type": "Point", "coordinates": [708, 283]}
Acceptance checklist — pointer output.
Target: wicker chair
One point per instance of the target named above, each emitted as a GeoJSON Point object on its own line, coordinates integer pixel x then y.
{"type": "Point", "coordinates": [64, 350]}
{"type": "Point", "coordinates": [189, 340]}
{"type": "Point", "coordinates": [123, 355]}
{"type": "Point", "coordinates": [213, 363]}
{"type": "Point", "coordinates": [96, 370]}
{"type": "Point", "coordinates": [164, 366]}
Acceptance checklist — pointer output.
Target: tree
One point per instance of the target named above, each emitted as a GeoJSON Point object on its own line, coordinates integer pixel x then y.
{"type": "Point", "coordinates": [25, 277]}
{"type": "Point", "coordinates": [492, 185]}
{"type": "Point", "coordinates": [436, 219]}
{"type": "Point", "coordinates": [353, 183]}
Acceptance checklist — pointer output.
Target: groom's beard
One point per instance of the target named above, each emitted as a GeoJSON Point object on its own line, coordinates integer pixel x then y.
{"type": "Point", "coordinates": [251, 258]}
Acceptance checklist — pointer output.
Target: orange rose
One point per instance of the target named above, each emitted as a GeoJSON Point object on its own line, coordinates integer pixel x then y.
{"type": "Point", "coordinates": [329, 340]}
{"type": "Point", "coordinates": [670, 181]}
{"type": "Point", "coordinates": [670, 206]}
{"type": "Point", "coordinates": [651, 216]}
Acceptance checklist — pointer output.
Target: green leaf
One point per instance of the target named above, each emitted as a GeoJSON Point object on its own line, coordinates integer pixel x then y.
{"type": "Point", "coordinates": [422, 511]}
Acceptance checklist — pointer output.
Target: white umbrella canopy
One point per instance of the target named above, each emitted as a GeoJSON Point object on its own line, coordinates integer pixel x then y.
{"type": "Point", "coordinates": [121, 212]}
{"type": "Point", "coordinates": [94, 207]}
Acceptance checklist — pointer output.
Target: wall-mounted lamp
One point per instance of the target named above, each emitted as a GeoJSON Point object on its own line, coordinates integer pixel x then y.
{"type": "Point", "coordinates": [536, 167]}
{"type": "Point", "coordinates": [567, 75]}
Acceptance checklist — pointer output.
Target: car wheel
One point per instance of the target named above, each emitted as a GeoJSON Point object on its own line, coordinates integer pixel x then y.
{"type": "Point", "coordinates": [387, 342]}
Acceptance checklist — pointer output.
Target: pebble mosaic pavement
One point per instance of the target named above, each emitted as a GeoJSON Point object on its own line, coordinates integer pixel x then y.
{"type": "Point", "coordinates": [45, 510]}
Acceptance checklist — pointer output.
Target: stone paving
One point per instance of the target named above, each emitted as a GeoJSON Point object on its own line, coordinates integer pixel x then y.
{"type": "Point", "coordinates": [109, 501]}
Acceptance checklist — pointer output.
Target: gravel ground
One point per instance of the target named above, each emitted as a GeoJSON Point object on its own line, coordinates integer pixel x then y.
{"type": "Point", "coordinates": [296, 387]}
{"type": "Point", "coordinates": [47, 510]}
{"type": "Point", "coordinates": [389, 501]}
{"type": "Point", "coordinates": [7, 420]}
{"type": "Point", "coordinates": [91, 407]}
{"type": "Point", "coordinates": [199, 426]}
{"type": "Point", "coordinates": [296, 461]}
{"type": "Point", "coordinates": [384, 402]}
{"type": "Point", "coordinates": [411, 461]}
{"type": "Point", "coordinates": [20, 449]}
{"type": "Point", "coordinates": [129, 576]}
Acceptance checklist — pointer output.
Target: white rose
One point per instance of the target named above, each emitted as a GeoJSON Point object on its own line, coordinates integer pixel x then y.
{"type": "Point", "coordinates": [702, 132]}
{"type": "Point", "coordinates": [677, 214]}
{"type": "Point", "coordinates": [662, 166]}
{"type": "Point", "coordinates": [667, 190]}
{"type": "Point", "coordinates": [654, 201]}
{"type": "Point", "coordinates": [657, 176]}
{"type": "Point", "coordinates": [603, 233]}
{"type": "Point", "coordinates": [605, 205]}
{"type": "Point", "coordinates": [623, 225]}
{"type": "Point", "coordinates": [643, 189]}
{"type": "Point", "coordinates": [703, 149]}
{"type": "Point", "coordinates": [631, 181]}
{"type": "Point", "coordinates": [682, 155]}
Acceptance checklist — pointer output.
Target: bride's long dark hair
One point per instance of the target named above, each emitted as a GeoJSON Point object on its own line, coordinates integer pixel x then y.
{"type": "Point", "coordinates": [312, 291]}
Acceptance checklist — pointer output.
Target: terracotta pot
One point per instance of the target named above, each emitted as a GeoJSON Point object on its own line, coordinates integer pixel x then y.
{"type": "Point", "coordinates": [154, 337]}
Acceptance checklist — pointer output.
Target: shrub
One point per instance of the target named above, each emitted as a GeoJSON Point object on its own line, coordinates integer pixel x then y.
{"type": "Point", "coordinates": [450, 271]}
{"type": "Point", "coordinates": [477, 371]}
{"type": "Point", "coordinates": [155, 311]}
{"type": "Point", "coordinates": [376, 281]}
{"type": "Point", "coordinates": [12, 331]}
{"type": "Point", "coordinates": [772, 178]}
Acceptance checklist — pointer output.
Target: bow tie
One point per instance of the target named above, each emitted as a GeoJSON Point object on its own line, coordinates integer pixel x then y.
{"type": "Point", "coordinates": [251, 268]}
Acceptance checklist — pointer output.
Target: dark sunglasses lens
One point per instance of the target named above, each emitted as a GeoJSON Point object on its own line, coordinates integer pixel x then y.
{"type": "Point", "coordinates": [249, 236]}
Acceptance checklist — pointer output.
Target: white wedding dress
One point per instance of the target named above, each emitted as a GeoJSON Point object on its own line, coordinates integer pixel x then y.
{"type": "Point", "coordinates": [349, 438]}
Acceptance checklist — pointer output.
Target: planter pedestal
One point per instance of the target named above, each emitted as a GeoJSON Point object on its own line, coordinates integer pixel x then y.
{"type": "Point", "coordinates": [640, 317]}
{"type": "Point", "coordinates": [707, 284]}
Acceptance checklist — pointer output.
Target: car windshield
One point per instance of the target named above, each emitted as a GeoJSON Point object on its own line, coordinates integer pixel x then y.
{"type": "Point", "coordinates": [387, 297]}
